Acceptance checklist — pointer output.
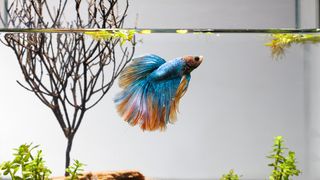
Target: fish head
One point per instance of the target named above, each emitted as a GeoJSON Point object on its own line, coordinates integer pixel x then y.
{"type": "Point", "coordinates": [192, 62]}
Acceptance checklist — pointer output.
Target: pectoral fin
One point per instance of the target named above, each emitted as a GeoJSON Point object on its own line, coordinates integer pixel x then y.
{"type": "Point", "coordinates": [182, 89]}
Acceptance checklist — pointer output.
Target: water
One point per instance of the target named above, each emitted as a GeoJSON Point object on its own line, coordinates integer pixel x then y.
{"type": "Point", "coordinates": [239, 97]}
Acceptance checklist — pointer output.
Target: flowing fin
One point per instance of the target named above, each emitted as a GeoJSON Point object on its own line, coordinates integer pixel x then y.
{"type": "Point", "coordinates": [148, 103]}
{"type": "Point", "coordinates": [139, 69]}
{"type": "Point", "coordinates": [164, 95]}
{"type": "Point", "coordinates": [180, 92]}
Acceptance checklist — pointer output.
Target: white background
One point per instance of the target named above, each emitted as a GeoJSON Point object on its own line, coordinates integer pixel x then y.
{"type": "Point", "coordinates": [237, 101]}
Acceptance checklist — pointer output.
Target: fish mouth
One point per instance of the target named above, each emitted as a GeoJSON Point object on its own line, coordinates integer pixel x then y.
{"type": "Point", "coordinates": [200, 59]}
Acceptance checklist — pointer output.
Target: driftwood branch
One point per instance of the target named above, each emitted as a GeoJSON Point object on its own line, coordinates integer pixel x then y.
{"type": "Point", "coordinates": [69, 73]}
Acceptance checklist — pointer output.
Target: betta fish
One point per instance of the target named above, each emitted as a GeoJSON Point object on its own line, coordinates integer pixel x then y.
{"type": "Point", "coordinates": [152, 89]}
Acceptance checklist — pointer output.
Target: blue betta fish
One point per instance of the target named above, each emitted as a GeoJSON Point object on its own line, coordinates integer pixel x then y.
{"type": "Point", "coordinates": [152, 89]}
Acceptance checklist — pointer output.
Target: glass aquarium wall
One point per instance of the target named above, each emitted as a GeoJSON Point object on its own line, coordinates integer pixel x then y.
{"type": "Point", "coordinates": [3, 4]}
{"type": "Point", "coordinates": [238, 100]}
{"type": "Point", "coordinates": [310, 18]}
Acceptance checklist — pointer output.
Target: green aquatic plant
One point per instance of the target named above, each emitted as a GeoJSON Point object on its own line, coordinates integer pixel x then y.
{"type": "Point", "coordinates": [75, 170]}
{"type": "Point", "coordinates": [283, 167]}
{"type": "Point", "coordinates": [123, 35]}
{"type": "Point", "coordinates": [181, 31]}
{"type": "Point", "coordinates": [230, 176]}
{"type": "Point", "coordinates": [26, 165]}
{"type": "Point", "coordinates": [280, 42]}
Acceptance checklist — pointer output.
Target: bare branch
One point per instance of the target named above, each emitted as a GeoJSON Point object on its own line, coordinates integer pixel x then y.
{"type": "Point", "coordinates": [69, 73]}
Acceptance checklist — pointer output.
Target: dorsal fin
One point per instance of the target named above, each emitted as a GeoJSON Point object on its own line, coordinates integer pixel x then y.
{"type": "Point", "coordinates": [139, 68]}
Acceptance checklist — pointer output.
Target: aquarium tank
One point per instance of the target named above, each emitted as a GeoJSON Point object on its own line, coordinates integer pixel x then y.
{"type": "Point", "coordinates": [161, 90]}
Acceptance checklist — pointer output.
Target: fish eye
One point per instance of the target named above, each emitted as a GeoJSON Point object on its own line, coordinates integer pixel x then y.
{"type": "Point", "coordinates": [196, 58]}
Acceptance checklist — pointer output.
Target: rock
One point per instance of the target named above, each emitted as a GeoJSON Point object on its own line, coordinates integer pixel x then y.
{"type": "Point", "coordinates": [107, 175]}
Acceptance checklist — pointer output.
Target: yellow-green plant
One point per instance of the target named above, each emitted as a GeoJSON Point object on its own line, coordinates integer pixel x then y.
{"type": "Point", "coordinates": [75, 170]}
{"type": "Point", "coordinates": [230, 176]}
{"type": "Point", "coordinates": [280, 42]}
{"type": "Point", "coordinates": [26, 165]}
{"type": "Point", "coordinates": [122, 35]}
{"type": "Point", "coordinates": [283, 167]}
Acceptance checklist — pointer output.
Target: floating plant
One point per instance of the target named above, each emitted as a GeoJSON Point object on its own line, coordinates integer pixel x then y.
{"type": "Point", "coordinates": [123, 35]}
{"type": "Point", "coordinates": [281, 42]}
